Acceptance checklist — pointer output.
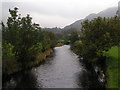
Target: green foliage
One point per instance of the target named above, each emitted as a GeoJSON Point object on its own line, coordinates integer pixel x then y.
{"type": "Point", "coordinates": [74, 36]}
{"type": "Point", "coordinates": [113, 67]}
{"type": "Point", "coordinates": [77, 46]}
{"type": "Point", "coordinates": [26, 37]}
{"type": "Point", "coordinates": [7, 50]}
{"type": "Point", "coordinates": [38, 47]}
{"type": "Point", "coordinates": [98, 35]}
{"type": "Point", "coordinates": [70, 36]}
{"type": "Point", "coordinates": [97, 38]}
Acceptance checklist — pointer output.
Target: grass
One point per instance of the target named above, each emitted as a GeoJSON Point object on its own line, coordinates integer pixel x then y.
{"type": "Point", "coordinates": [40, 58]}
{"type": "Point", "coordinates": [112, 67]}
{"type": "Point", "coordinates": [59, 45]}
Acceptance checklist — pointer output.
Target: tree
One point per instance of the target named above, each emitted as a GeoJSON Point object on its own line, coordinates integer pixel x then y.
{"type": "Point", "coordinates": [26, 37]}
{"type": "Point", "coordinates": [74, 36]}
{"type": "Point", "coordinates": [98, 35]}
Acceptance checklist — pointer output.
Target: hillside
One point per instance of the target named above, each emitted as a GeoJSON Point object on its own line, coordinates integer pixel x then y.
{"type": "Point", "coordinates": [110, 12]}
{"type": "Point", "coordinates": [60, 32]}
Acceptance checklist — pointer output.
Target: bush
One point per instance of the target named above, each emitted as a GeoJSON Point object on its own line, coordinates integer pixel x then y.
{"type": "Point", "coordinates": [7, 50]}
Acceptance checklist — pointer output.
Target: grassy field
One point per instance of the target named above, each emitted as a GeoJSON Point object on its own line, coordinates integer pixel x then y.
{"type": "Point", "coordinates": [112, 67]}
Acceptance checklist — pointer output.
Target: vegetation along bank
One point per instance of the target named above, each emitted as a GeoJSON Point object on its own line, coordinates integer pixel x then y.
{"type": "Point", "coordinates": [24, 44]}
{"type": "Point", "coordinates": [97, 45]}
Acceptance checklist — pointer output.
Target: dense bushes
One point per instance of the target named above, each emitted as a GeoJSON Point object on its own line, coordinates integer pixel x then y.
{"type": "Point", "coordinates": [23, 39]}
{"type": "Point", "coordinates": [98, 35]}
{"type": "Point", "coordinates": [7, 50]}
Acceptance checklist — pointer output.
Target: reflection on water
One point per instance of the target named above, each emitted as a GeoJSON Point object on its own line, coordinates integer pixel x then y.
{"type": "Point", "coordinates": [61, 70]}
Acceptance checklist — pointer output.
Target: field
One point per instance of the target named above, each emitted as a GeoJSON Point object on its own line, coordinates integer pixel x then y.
{"type": "Point", "coordinates": [112, 67]}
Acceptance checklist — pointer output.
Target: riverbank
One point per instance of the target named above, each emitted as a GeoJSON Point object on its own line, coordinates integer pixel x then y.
{"type": "Point", "coordinates": [11, 65]}
{"type": "Point", "coordinates": [107, 68]}
{"type": "Point", "coordinates": [59, 45]}
{"type": "Point", "coordinates": [97, 68]}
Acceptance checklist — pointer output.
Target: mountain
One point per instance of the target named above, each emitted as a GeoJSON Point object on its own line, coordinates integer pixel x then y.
{"type": "Point", "coordinates": [76, 25]}
{"type": "Point", "coordinates": [110, 12]}
{"type": "Point", "coordinates": [91, 16]}
{"type": "Point", "coordinates": [60, 32]}
{"type": "Point", "coordinates": [119, 9]}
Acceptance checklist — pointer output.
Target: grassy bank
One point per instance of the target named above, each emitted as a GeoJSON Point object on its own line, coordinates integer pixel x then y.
{"type": "Point", "coordinates": [41, 57]}
{"type": "Point", "coordinates": [112, 67]}
{"type": "Point", "coordinates": [59, 45]}
{"type": "Point", "coordinates": [10, 65]}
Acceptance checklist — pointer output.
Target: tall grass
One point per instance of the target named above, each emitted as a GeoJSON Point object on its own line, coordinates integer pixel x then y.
{"type": "Point", "coordinates": [112, 67]}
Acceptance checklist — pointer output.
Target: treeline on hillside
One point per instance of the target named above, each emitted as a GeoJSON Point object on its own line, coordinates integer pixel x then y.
{"type": "Point", "coordinates": [97, 36]}
{"type": "Point", "coordinates": [69, 36]}
{"type": "Point", "coordinates": [23, 40]}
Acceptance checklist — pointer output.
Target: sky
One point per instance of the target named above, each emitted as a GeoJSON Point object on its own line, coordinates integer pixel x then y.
{"type": "Point", "coordinates": [56, 13]}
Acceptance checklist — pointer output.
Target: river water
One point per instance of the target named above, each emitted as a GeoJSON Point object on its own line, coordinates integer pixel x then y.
{"type": "Point", "coordinates": [62, 69]}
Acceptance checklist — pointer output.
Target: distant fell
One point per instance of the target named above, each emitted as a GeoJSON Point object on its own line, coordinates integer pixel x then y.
{"type": "Point", "coordinates": [110, 12]}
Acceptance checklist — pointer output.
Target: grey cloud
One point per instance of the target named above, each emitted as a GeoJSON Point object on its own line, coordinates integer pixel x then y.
{"type": "Point", "coordinates": [66, 10]}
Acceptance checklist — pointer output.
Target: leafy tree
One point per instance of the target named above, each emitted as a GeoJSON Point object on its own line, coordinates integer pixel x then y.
{"type": "Point", "coordinates": [73, 36]}
{"type": "Point", "coordinates": [7, 50]}
{"type": "Point", "coordinates": [26, 37]}
{"type": "Point", "coordinates": [98, 35]}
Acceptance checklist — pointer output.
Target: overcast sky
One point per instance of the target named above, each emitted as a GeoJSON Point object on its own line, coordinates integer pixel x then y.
{"type": "Point", "coordinates": [57, 13]}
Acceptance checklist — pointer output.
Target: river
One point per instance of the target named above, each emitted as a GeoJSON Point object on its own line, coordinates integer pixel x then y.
{"type": "Point", "coordinates": [62, 69]}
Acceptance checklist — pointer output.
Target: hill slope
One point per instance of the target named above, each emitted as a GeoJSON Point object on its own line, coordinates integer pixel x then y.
{"type": "Point", "coordinates": [110, 12]}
